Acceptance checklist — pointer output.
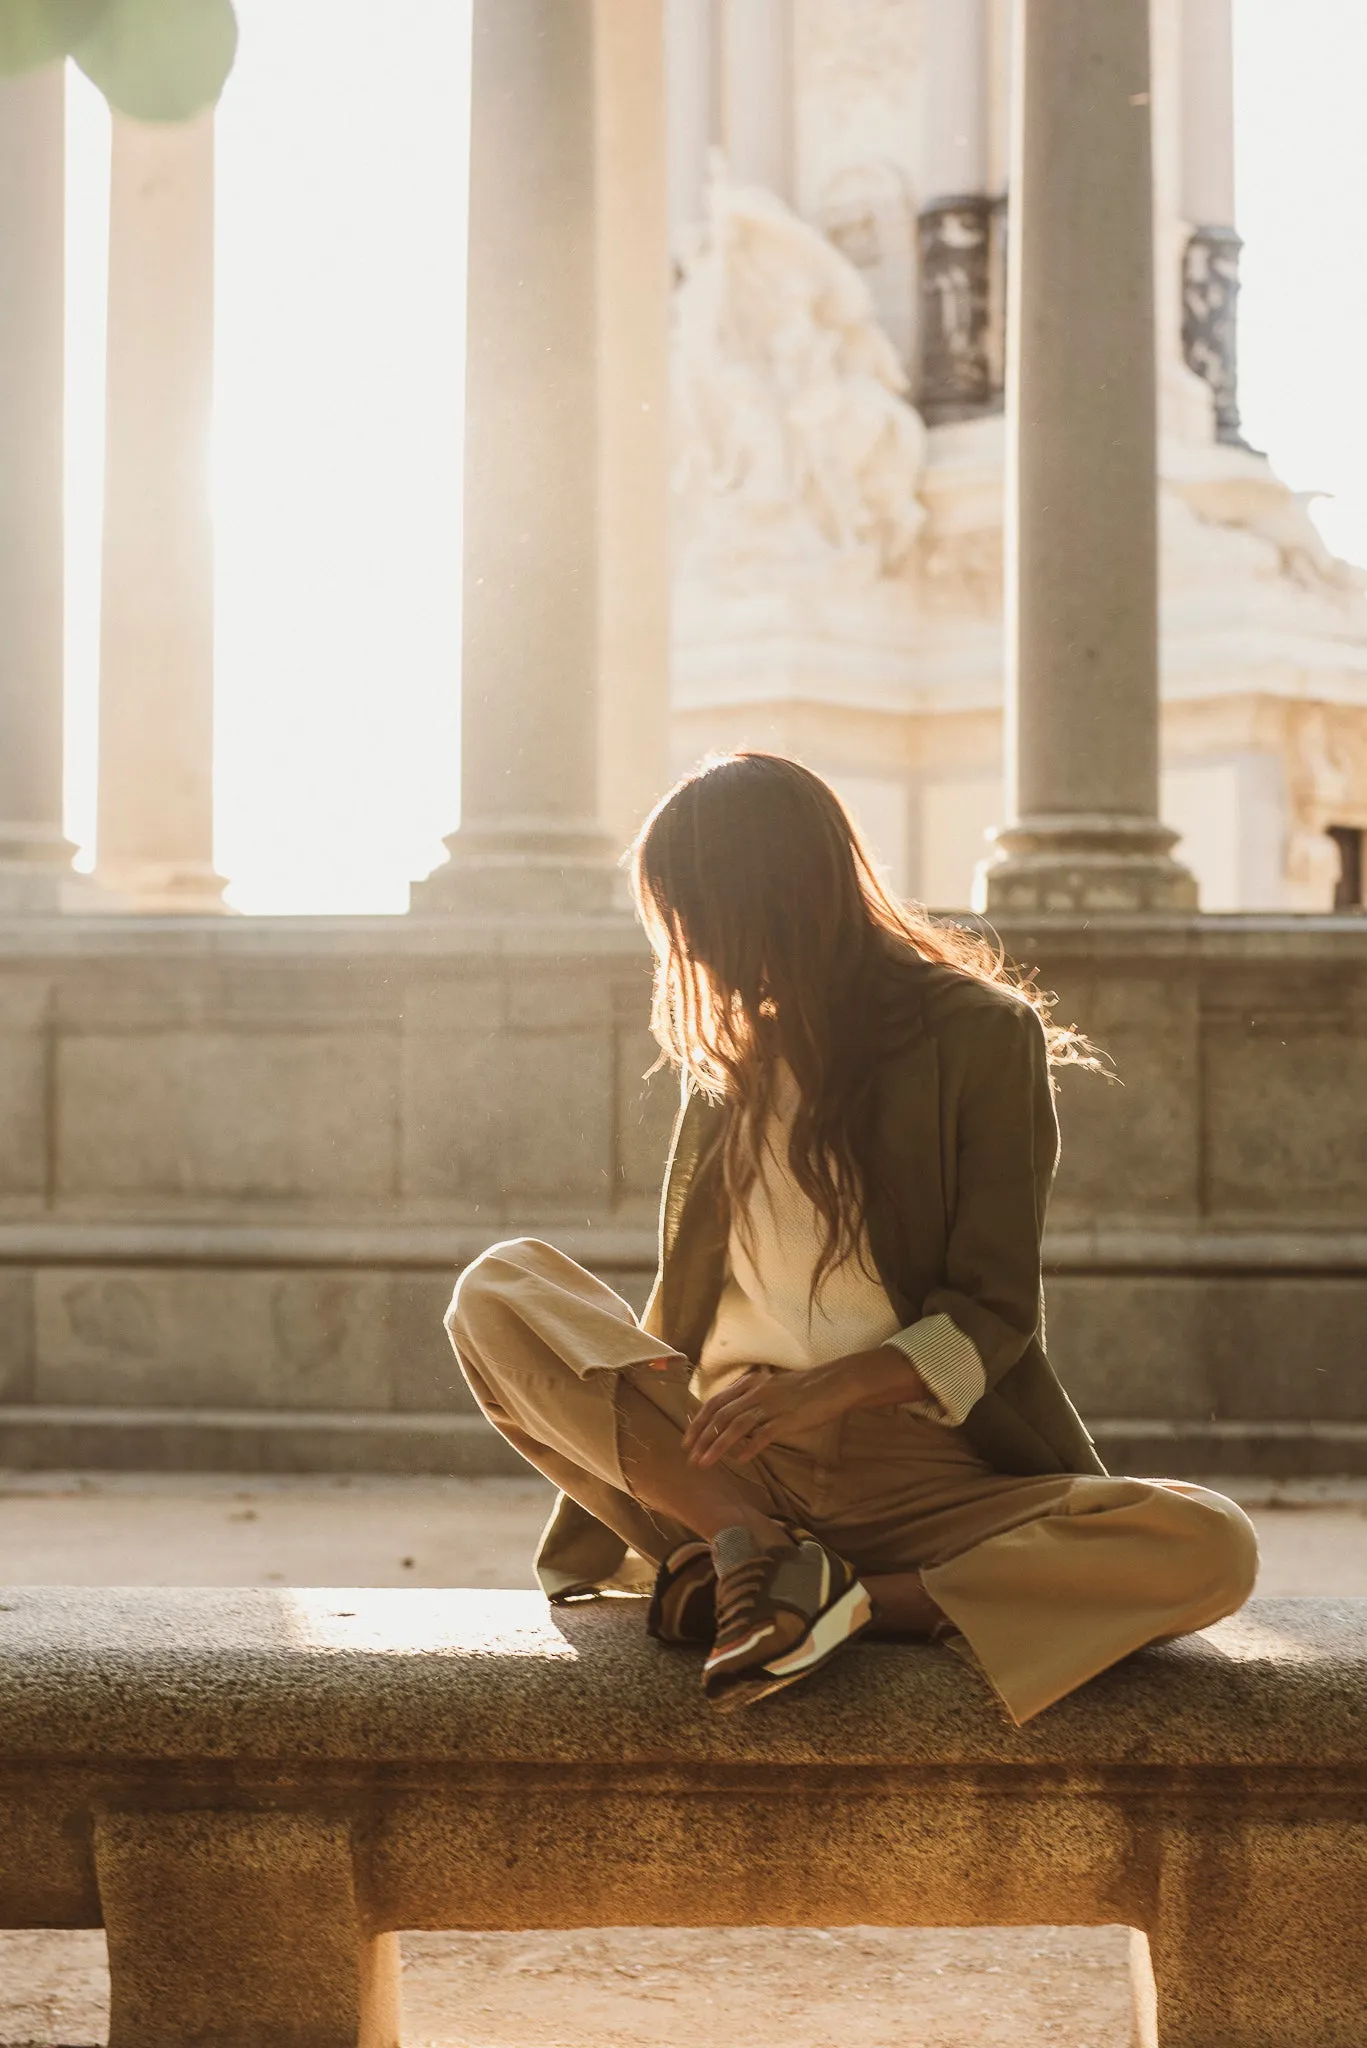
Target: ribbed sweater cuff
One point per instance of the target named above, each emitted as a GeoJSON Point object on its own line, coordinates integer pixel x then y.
{"type": "Point", "coordinates": [949, 1364]}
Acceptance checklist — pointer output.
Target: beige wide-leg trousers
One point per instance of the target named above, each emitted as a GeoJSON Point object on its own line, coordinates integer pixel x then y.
{"type": "Point", "coordinates": [1048, 1580]}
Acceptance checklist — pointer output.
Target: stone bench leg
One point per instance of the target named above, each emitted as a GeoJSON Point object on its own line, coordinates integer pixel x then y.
{"type": "Point", "coordinates": [240, 1930]}
{"type": "Point", "coordinates": [1257, 1940]}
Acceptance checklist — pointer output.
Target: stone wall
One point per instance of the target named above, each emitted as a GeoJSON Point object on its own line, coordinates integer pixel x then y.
{"type": "Point", "coordinates": [242, 1160]}
{"type": "Point", "coordinates": [1207, 1250]}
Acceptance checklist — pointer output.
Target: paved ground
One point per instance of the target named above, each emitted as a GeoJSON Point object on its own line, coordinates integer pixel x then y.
{"type": "Point", "coordinates": [613, 1987]}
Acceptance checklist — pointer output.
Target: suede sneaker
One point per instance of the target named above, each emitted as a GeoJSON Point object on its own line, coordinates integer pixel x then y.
{"type": "Point", "coordinates": [683, 1603]}
{"type": "Point", "coordinates": [683, 1606]}
{"type": "Point", "coordinates": [781, 1615]}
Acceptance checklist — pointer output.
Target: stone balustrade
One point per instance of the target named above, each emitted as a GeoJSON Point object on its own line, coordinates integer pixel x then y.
{"type": "Point", "coordinates": [245, 1158]}
{"type": "Point", "coordinates": [251, 1790]}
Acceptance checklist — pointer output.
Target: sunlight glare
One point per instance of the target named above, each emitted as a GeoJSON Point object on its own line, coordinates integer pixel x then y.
{"type": "Point", "coordinates": [340, 367]}
{"type": "Point", "coordinates": [343, 139]}
{"type": "Point", "coordinates": [1302, 166]}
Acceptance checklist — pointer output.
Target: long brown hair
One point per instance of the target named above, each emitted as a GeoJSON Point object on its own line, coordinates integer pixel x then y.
{"type": "Point", "coordinates": [775, 937]}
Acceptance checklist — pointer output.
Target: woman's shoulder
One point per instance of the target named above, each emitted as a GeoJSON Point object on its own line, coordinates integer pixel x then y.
{"type": "Point", "coordinates": [982, 1031]}
{"type": "Point", "coordinates": [934, 996]}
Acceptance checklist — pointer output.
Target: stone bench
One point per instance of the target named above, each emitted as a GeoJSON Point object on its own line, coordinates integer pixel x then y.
{"type": "Point", "coordinates": [250, 1790]}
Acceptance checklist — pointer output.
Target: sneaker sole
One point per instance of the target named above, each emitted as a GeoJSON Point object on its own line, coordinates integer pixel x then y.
{"type": "Point", "coordinates": [839, 1624]}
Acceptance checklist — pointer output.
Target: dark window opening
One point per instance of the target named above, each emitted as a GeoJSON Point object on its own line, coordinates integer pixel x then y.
{"type": "Point", "coordinates": [1348, 889]}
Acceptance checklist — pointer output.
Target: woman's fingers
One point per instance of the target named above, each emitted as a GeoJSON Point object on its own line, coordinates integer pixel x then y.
{"type": "Point", "coordinates": [728, 1440]}
{"type": "Point", "coordinates": [759, 1440]}
{"type": "Point", "coordinates": [701, 1422]}
{"type": "Point", "coordinates": [746, 1437]}
{"type": "Point", "coordinates": [719, 1404]}
{"type": "Point", "coordinates": [706, 1433]}
{"type": "Point", "coordinates": [735, 1426]}
{"type": "Point", "coordinates": [733, 1417]}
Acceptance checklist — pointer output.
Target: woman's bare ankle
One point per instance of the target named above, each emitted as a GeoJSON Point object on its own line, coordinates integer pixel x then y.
{"type": "Point", "coordinates": [901, 1604]}
{"type": "Point", "coordinates": [768, 1533]}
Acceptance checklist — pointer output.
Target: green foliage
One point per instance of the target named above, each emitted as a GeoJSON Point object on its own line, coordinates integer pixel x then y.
{"type": "Point", "coordinates": [33, 32]}
{"type": "Point", "coordinates": [156, 60]}
{"type": "Point", "coordinates": [160, 60]}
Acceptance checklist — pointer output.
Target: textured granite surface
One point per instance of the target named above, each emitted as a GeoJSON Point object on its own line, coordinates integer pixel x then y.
{"type": "Point", "coordinates": [304, 1677]}
{"type": "Point", "coordinates": [252, 1789]}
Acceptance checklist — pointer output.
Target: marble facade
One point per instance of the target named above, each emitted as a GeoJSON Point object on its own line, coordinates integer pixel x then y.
{"type": "Point", "coordinates": [889, 676]}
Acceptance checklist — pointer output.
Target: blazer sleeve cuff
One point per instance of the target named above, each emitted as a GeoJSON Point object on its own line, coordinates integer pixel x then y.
{"type": "Point", "coordinates": [949, 1364]}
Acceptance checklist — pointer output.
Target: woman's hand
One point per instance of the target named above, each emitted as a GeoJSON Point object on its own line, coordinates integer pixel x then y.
{"type": "Point", "coordinates": [766, 1403]}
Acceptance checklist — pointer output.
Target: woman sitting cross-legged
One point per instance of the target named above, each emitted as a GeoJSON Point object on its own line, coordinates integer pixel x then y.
{"type": "Point", "coordinates": [836, 1410]}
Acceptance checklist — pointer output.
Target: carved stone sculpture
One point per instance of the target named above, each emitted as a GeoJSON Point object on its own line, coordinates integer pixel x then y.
{"type": "Point", "coordinates": [794, 443]}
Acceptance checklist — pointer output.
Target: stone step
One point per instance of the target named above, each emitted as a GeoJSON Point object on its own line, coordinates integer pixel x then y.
{"type": "Point", "coordinates": [108, 1439]}
{"type": "Point", "coordinates": [249, 1440]}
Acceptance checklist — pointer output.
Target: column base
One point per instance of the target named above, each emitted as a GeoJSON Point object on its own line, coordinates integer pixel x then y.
{"type": "Point", "coordinates": [533, 873]}
{"type": "Point", "coordinates": [36, 875]}
{"type": "Point", "coordinates": [164, 888]}
{"type": "Point", "coordinates": [1088, 862]}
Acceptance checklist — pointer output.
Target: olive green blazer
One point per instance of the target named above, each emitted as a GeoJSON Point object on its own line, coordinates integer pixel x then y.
{"type": "Point", "coordinates": [965, 1119]}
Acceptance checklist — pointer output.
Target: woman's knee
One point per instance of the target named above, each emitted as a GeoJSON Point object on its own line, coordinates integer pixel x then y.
{"type": "Point", "coordinates": [486, 1280]}
{"type": "Point", "coordinates": [1220, 1546]}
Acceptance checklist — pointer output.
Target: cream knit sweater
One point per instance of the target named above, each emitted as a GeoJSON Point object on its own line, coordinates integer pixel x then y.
{"type": "Point", "coordinates": [766, 1315]}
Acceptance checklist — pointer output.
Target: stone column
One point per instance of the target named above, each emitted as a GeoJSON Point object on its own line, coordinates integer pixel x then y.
{"type": "Point", "coordinates": [958, 374]}
{"type": "Point", "coordinates": [693, 116]}
{"type": "Point", "coordinates": [1210, 263]}
{"type": "Point", "coordinates": [155, 832]}
{"type": "Point", "coordinates": [633, 287]}
{"type": "Point", "coordinates": [757, 92]}
{"type": "Point", "coordinates": [1082, 555]}
{"type": "Point", "coordinates": [564, 473]}
{"type": "Point", "coordinates": [35, 859]}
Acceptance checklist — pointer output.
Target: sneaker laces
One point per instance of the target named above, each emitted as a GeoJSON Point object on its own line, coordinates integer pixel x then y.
{"type": "Point", "coordinates": [739, 1589]}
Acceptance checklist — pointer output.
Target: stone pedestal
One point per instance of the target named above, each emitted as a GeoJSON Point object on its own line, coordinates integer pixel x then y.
{"type": "Point", "coordinates": [565, 644]}
{"type": "Point", "coordinates": [1220, 1980]}
{"type": "Point", "coordinates": [1082, 542]}
{"type": "Point", "coordinates": [155, 832]}
{"type": "Point", "coordinates": [241, 1929]}
{"type": "Point", "coordinates": [35, 858]}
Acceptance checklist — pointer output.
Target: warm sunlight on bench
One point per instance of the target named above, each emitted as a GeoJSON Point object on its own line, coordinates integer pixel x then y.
{"type": "Point", "coordinates": [251, 1790]}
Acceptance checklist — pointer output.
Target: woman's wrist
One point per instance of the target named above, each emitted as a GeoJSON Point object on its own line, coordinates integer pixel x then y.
{"type": "Point", "coordinates": [884, 1378]}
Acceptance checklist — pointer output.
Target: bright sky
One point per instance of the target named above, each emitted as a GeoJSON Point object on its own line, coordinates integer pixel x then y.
{"type": "Point", "coordinates": [340, 338]}
{"type": "Point", "coordinates": [337, 446]}
{"type": "Point", "coordinates": [1300, 71]}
